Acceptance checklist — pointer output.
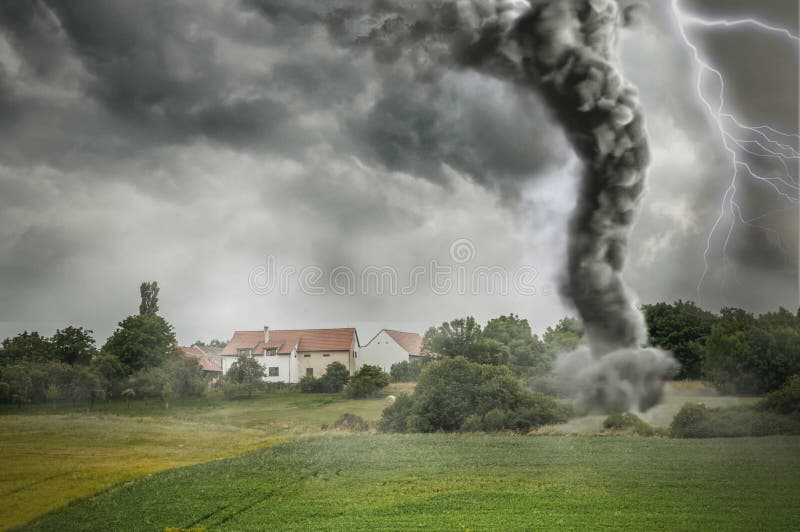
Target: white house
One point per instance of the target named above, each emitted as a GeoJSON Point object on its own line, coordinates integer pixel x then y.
{"type": "Point", "coordinates": [288, 355]}
{"type": "Point", "coordinates": [390, 347]}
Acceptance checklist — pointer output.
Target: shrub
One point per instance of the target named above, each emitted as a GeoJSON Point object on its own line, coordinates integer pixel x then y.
{"type": "Point", "coordinates": [149, 382]}
{"type": "Point", "coordinates": [454, 394]}
{"type": "Point", "coordinates": [335, 379]}
{"type": "Point", "coordinates": [351, 422]}
{"type": "Point", "coordinates": [785, 400]}
{"type": "Point", "coordinates": [536, 410]}
{"type": "Point", "coordinates": [407, 371]}
{"type": "Point", "coordinates": [628, 423]}
{"type": "Point", "coordinates": [395, 416]}
{"type": "Point", "coordinates": [186, 377]}
{"type": "Point", "coordinates": [367, 381]}
{"type": "Point", "coordinates": [310, 384]}
{"type": "Point", "coordinates": [473, 423]}
{"type": "Point", "coordinates": [495, 420]}
{"type": "Point", "coordinates": [697, 421]}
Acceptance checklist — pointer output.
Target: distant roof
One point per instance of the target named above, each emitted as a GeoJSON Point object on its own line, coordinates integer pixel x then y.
{"type": "Point", "coordinates": [411, 342]}
{"type": "Point", "coordinates": [212, 353]}
{"type": "Point", "coordinates": [205, 362]}
{"type": "Point", "coordinates": [286, 340]}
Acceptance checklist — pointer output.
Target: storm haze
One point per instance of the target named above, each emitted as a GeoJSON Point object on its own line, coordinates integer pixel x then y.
{"type": "Point", "coordinates": [187, 142]}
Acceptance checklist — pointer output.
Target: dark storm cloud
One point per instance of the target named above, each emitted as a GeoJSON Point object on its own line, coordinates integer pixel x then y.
{"type": "Point", "coordinates": [142, 137]}
{"type": "Point", "coordinates": [147, 66]}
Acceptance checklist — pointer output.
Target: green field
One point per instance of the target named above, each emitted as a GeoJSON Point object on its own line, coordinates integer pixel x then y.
{"type": "Point", "coordinates": [114, 468]}
{"type": "Point", "coordinates": [53, 455]}
{"type": "Point", "coordinates": [465, 482]}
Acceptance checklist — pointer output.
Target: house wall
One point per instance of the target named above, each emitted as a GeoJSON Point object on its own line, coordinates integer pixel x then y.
{"type": "Point", "coordinates": [382, 351]}
{"type": "Point", "coordinates": [227, 362]}
{"type": "Point", "coordinates": [282, 362]}
{"type": "Point", "coordinates": [319, 362]}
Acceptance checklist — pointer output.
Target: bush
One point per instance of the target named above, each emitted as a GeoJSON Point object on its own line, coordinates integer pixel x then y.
{"type": "Point", "coordinates": [185, 376]}
{"type": "Point", "coordinates": [150, 382]}
{"type": "Point", "coordinates": [628, 423]}
{"type": "Point", "coordinates": [335, 379]}
{"type": "Point", "coordinates": [457, 395]}
{"type": "Point", "coordinates": [310, 384]}
{"type": "Point", "coordinates": [785, 400]}
{"type": "Point", "coordinates": [351, 422]}
{"type": "Point", "coordinates": [745, 354]}
{"type": "Point", "coordinates": [407, 371]}
{"type": "Point", "coordinates": [495, 420]}
{"type": "Point", "coordinates": [697, 421]}
{"type": "Point", "coordinates": [395, 416]}
{"type": "Point", "coordinates": [367, 382]}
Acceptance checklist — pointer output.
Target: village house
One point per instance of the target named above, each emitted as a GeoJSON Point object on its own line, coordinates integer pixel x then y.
{"type": "Point", "coordinates": [211, 367]}
{"type": "Point", "coordinates": [289, 355]}
{"type": "Point", "coordinates": [390, 347]}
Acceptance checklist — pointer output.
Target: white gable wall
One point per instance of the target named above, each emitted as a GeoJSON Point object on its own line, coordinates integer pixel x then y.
{"type": "Point", "coordinates": [382, 351]}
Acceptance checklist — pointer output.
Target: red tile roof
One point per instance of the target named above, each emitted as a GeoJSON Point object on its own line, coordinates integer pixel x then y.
{"type": "Point", "coordinates": [286, 340]}
{"type": "Point", "coordinates": [206, 363]}
{"type": "Point", "coordinates": [411, 342]}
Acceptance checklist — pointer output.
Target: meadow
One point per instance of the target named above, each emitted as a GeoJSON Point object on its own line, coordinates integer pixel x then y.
{"type": "Point", "coordinates": [219, 464]}
{"type": "Point", "coordinates": [55, 454]}
{"type": "Point", "coordinates": [465, 482]}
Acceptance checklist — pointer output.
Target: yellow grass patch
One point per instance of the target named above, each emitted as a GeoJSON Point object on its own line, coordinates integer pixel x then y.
{"type": "Point", "coordinates": [49, 460]}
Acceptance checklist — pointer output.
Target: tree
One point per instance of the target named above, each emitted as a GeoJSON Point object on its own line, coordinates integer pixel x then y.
{"type": "Point", "coordinates": [74, 345]}
{"type": "Point", "coordinates": [185, 376]}
{"type": "Point", "coordinates": [111, 372]}
{"type": "Point", "coordinates": [367, 381]}
{"type": "Point", "coordinates": [454, 338]}
{"type": "Point", "coordinates": [565, 336]}
{"type": "Point", "coordinates": [408, 371]}
{"type": "Point", "coordinates": [149, 303]}
{"type": "Point", "coordinates": [142, 341]}
{"type": "Point", "coordinates": [462, 337]}
{"type": "Point", "coordinates": [26, 346]}
{"type": "Point", "coordinates": [335, 379]}
{"type": "Point", "coordinates": [748, 354]}
{"type": "Point", "coordinates": [527, 352]}
{"type": "Point", "coordinates": [455, 394]}
{"type": "Point", "coordinates": [681, 328]}
{"type": "Point", "coordinates": [18, 382]}
{"type": "Point", "coordinates": [246, 372]}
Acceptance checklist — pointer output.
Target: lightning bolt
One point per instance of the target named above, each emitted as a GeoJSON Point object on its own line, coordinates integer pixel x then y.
{"type": "Point", "coordinates": [740, 140]}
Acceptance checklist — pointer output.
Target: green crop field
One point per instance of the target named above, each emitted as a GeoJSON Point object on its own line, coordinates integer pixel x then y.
{"type": "Point", "coordinates": [53, 455]}
{"type": "Point", "coordinates": [114, 468]}
{"type": "Point", "coordinates": [465, 482]}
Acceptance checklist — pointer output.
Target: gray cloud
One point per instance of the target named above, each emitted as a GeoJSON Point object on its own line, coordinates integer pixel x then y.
{"type": "Point", "coordinates": [183, 142]}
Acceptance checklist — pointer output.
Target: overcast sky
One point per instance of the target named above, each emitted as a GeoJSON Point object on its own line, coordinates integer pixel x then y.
{"type": "Point", "coordinates": [188, 141]}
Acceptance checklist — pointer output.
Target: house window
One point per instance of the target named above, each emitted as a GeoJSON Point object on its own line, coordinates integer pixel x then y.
{"type": "Point", "coordinates": [309, 371]}
{"type": "Point", "coordinates": [326, 355]}
{"type": "Point", "coordinates": [243, 352]}
{"type": "Point", "coordinates": [270, 351]}
{"type": "Point", "coordinates": [306, 356]}
{"type": "Point", "coordinates": [274, 372]}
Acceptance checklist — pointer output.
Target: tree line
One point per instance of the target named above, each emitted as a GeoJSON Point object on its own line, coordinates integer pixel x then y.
{"type": "Point", "coordinates": [140, 359]}
{"type": "Point", "coordinates": [735, 350]}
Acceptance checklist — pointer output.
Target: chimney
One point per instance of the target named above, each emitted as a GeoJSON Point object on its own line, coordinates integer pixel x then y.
{"type": "Point", "coordinates": [266, 335]}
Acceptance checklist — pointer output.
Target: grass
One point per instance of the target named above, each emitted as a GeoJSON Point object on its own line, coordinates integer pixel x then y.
{"type": "Point", "coordinates": [458, 482]}
{"type": "Point", "coordinates": [55, 454]}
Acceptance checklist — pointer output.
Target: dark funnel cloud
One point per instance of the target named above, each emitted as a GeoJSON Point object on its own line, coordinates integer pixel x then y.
{"type": "Point", "coordinates": [564, 51]}
{"type": "Point", "coordinates": [567, 49]}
